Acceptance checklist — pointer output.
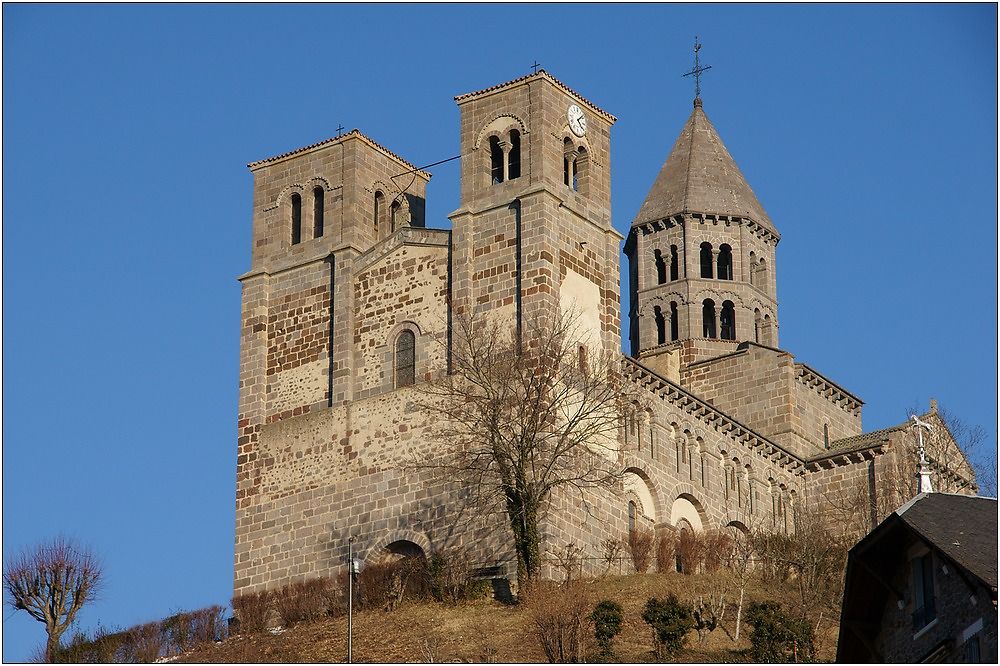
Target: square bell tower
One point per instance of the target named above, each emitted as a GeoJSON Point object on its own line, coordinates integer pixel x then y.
{"type": "Point", "coordinates": [533, 231]}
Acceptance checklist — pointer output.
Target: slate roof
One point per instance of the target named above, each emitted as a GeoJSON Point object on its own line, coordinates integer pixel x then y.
{"type": "Point", "coordinates": [701, 176]}
{"type": "Point", "coordinates": [963, 527]}
{"type": "Point", "coordinates": [863, 441]}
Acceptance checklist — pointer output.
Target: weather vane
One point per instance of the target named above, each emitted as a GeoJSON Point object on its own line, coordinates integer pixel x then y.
{"type": "Point", "coordinates": [698, 69]}
{"type": "Point", "coordinates": [922, 472]}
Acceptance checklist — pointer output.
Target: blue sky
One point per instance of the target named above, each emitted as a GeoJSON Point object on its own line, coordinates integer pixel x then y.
{"type": "Point", "coordinates": [868, 132]}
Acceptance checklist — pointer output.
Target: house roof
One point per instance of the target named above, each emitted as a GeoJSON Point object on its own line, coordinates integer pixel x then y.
{"type": "Point", "coordinates": [963, 527]}
{"type": "Point", "coordinates": [700, 176]}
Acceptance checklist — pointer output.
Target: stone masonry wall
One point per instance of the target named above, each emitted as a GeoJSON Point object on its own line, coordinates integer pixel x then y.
{"type": "Point", "coordinates": [957, 608]}
{"type": "Point", "coordinates": [342, 472]}
{"type": "Point", "coordinates": [768, 391]}
{"type": "Point", "coordinates": [685, 461]}
{"type": "Point", "coordinates": [404, 289]}
{"type": "Point", "coordinates": [753, 385]}
{"type": "Point", "coordinates": [818, 405]}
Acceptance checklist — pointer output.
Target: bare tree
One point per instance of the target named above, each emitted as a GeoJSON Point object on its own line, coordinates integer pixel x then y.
{"type": "Point", "coordinates": [524, 415]}
{"type": "Point", "coordinates": [52, 582]}
{"type": "Point", "coordinates": [971, 445]}
{"type": "Point", "coordinates": [740, 571]}
{"type": "Point", "coordinates": [956, 456]}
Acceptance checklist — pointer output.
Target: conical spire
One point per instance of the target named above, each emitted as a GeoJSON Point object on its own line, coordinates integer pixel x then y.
{"type": "Point", "coordinates": [700, 176]}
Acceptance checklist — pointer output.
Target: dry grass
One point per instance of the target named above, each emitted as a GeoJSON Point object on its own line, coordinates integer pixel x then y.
{"type": "Point", "coordinates": [487, 631]}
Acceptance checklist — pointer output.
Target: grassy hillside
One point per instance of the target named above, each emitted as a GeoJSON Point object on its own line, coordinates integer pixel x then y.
{"type": "Point", "coordinates": [488, 631]}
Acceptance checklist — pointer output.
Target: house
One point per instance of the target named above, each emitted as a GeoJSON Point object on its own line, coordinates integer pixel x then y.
{"type": "Point", "coordinates": [922, 586]}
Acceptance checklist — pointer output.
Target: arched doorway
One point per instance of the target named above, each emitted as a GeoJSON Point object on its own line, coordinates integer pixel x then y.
{"type": "Point", "coordinates": [684, 548]}
{"type": "Point", "coordinates": [406, 570]}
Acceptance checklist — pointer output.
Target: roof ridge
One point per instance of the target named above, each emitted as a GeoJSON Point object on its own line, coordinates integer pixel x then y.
{"type": "Point", "coordinates": [541, 73]}
{"type": "Point", "coordinates": [687, 173]}
{"type": "Point", "coordinates": [340, 138]}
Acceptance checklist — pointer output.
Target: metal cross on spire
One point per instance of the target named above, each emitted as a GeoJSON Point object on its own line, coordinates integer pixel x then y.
{"type": "Point", "coordinates": [698, 69]}
{"type": "Point", "coordinates": [534, 67]}
{"type": "Point", "coordinates": [340, 130]}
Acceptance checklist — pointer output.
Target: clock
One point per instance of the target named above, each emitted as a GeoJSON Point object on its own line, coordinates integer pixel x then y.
{"type": "Point", "coordinates": [577, 121]}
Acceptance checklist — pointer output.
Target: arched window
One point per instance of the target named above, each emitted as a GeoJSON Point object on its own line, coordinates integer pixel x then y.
{"type": "Point", "coordinates": [318, 194]}
{"type": "Point", "coordinates": [765, 337]}
{"type": "Point", "coordinates": [708, 318]}
{"type": "Point", "coordinates": [393, 215]}
{"type": "Point", "coordinates": [569, 163]}
{"type": "Point", "coordinates": [762, 280]}
{"type": "Point", "coordinates": [673, 263]}
{"type": "Point", "coordinates": [582, 358]}
{"type": "Point", "coordinates": [296, 219]}
{"type": "Point", "coordinates": [727, 321]}
{"type": "Point", "coordinates": [661, 326]}
{"type": "Point", "coordinates": [496, 160]}
{"type": "Point", "coordinates": [674, 321]}
{"type": "Point", "coordinates": [377, 221]}
{"type": "Point", "coordinates": [706, 260]}
{"type": "Point", "coordinates": [514, 156]}
{"type": "Point", "coordinates": [753, 268]}
{"type": "Point", "coordinates": [405, 358]}
{"type": "Point", "coordinates": [725, 262]}
{"type": "Point", "coordinates": [756, 324]}
{"type": "Point", "coordinates": [661, 267]}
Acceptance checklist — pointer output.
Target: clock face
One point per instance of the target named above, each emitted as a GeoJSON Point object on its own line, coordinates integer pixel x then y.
{"type": "Point", "coordinates": [577, 121]}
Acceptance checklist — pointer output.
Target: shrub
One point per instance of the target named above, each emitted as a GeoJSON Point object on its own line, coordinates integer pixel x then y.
{"type": "Point", "coordinates": [449, 575]}
{"type": "Point", "coordinates": [381, 584]}
{"type": "Point", "coordinates": [671, 621]}
{"type": "Point", "coordinates": [640, 547]}
{"type": "Point", "coordinates": [559, 614]}
{"type": "Point", "coordinates": [251, 610]}
{"type": "Point", "coordinates": [607, 618]}
{"type": "Point", "coordinates": [178, 630]}
{"type": "Point", "coordinates": [690, 549]}
{"type": "Point", "coordinates": [147, 642]}
{"type": "Point", "coordinates": [717, 546]}
{"type": "Point", "coordinates": [777, 637]}
{"type": "Point", "coordinates": [208, 625]}
{"type": "Point", "coordinates": [666, 560]}
{"type": "Point", "coordinates": [611, 553]}
{"type": "Point", "coordinates": [708, 615]}
{"type": "Point", "coordinates": [303, 600]}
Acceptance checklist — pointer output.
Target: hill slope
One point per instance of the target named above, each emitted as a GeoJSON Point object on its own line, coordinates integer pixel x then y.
{"type": "Point", "coordinates": [488, 631]}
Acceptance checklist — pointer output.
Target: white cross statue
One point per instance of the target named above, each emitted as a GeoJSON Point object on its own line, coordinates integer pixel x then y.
{"type": "Point", "coordinates": [922, 471]}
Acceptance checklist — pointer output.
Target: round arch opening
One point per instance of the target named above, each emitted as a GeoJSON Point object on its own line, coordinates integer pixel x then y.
{"type": "Point", "coordinates": [688, 509]}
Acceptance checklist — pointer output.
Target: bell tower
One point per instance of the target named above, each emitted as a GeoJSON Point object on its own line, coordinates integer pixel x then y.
{"type": "Point", "coordinates": [533, 229]}
{"type": "Point", "coordinates": [701, 257]}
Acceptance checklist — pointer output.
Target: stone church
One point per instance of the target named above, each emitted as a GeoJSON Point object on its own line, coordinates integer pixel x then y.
{"type": "Point", "coordinates": [349, 288]}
